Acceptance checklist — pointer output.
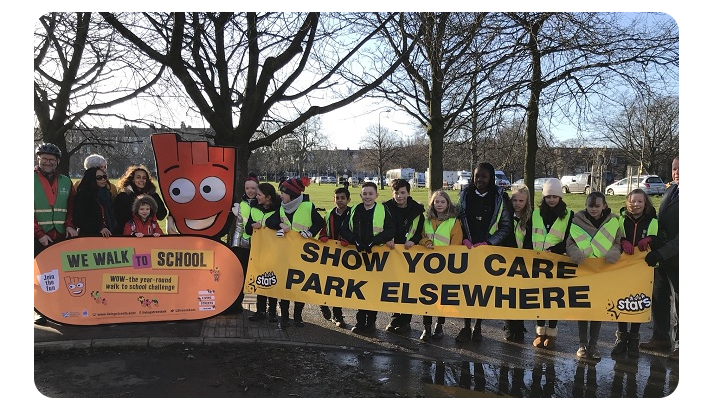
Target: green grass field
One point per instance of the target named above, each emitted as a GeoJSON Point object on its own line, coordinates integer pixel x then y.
{"type": "Point", "coordinates": [322, 197]}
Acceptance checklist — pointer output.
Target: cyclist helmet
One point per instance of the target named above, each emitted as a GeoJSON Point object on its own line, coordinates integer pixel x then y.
{"type": "Point", "coordinates": [49, 148]}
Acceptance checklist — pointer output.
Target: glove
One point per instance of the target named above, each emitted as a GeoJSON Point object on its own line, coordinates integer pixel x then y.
{"type": "Point", "coordinates": [234, 209]}
{"type": "Point", "coordinates": [653, 258]}
{"type": "Point", "coordinates": [343, 242]}
{"type": "Point", "coordinates": [368, 248]}
{"type": "Point", "coordinates": [643, 243]}
{"type": "Point", "coordinates": [467, 243]}
{"type": "Point", "coordinates": [627, 246]}
{"type": "Point", "coordinates": [280, 232]}
{"type": "Point", "coordinates": [480, 244]}
{"type": "Point", "coordinates": [324, 239]}
{"type": "Point", "coordinates": [306, 234]}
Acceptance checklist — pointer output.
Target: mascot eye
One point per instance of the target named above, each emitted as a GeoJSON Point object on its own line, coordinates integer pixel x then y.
{"type": "Point", "coordinates": [80, 285]}
{"type": "Point", "coordinates": [182, 190]}
{"type": "Point", "coordinates": [212, 189]}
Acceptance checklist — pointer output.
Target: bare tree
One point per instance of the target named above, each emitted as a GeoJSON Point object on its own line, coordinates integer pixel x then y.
{"type": "Point", "coordinates": [81, 71]}
{"type": "Point", "coordinates": [577, 58]}
{"type": "Point", "coordinates": [377, 149]}
{"type": "Point", "coordinates": [307, 137]}
{"type": "Point", "coordinates": [240, 70]}
{"type": "Point", "coordinates": [646, 129]}
{"type": "Point", "coordinates": [458, 55]}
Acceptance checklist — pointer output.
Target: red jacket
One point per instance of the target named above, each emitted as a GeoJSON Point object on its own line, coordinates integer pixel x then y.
{"type": "Point", "coordinates": [136, 225]}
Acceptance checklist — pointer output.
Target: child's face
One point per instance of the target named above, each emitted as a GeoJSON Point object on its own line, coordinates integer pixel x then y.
{"type": "Point", "coordinates": [518, 200]}
{"type": "Point", "coordinates": [595, 207]}
{"type": "Point", "coordinates": [250, 188]}
{"type": "Point", "coordinates": [400, 195]}
{"type": "Point", "coordinates": [368, 196]}
{"type": "Point", "coordinates": [636, 204]}
{"type": "Point", "coordinates": [440, 204]}
{"type": "Point", "coordinates": [285, 197]}
{"type": "Point", "coordinates": [551, 200]}
{"type": "Point", "coordinates": [261, 198]}
{"type": "Point", "coordinates": [341, 201]}
{"type": "Point", "coordinates": [481, 179]}
{"type": "Point", "coordinates": [144, 211]}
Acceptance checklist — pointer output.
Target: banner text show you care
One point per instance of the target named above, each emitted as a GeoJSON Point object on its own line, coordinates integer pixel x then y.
{"type": "Point", "coordinates": [484, 282]}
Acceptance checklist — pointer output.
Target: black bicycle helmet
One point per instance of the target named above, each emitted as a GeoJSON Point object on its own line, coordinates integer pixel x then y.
{"type": "Point", "coordinates": [49, 148]}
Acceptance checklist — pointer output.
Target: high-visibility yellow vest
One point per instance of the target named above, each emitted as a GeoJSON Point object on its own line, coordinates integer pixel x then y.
{"type": "Point", "coordinates": [595, 246]}
{"type": "Point", "coordinates": [652, 226]}
{"type": "Point", "coordinates": [519, 234]}
{"type": "Point", "coordinates": [260, 216]}
{"type": "Point", "coordinates": [378, 218]}
{"type": "Point", "coordinates": [246, 212]}
{"type": "Point", "coordinates": [302, 217]}
{"type": "Point", "coordinates": [413, 228]}
{"type": "Point", "coordinates": [557, 234]}
{"type": "Point", "coordinates": [48, 216]}
{"type": "Point", "coordinates": [441, 235]}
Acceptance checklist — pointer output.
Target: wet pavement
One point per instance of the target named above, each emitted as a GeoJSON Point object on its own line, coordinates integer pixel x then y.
{"type": "Point", "coordinates": [405, 364]}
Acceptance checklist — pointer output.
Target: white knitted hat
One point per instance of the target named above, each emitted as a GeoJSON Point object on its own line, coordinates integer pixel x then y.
{"type": "Point", "coordinates": [552, 187]}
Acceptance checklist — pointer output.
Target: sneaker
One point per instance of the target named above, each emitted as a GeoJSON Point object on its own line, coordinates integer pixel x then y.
{"type": "Point", "coordinates": [339, 322]}
{"type": "Point", "coordinates": [391, 329]}
{"type": "Point", "coordinates": [582, 352]}
{"type": "Point", "coordinates": [593, 353]}
{"type": "Point", "coordinates": [326, 312]}
{"type": "Point", "coordinates": [438, 332]}
{"type": "Point", "coordinates": [358, 328]}
{"type": "Point", "coordinates": [370, 327]}
{"type": "Point", "coordinates": [464, 335]}
{"type": "Point", "coordinates": [426, 334]}
{"type": "Point", "coordinates": [258, 315]}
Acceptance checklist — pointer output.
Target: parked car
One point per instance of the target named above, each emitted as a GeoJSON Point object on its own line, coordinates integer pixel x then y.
{"type": "Point", "coordinates": [461, 183]}
{"type": "Point", "coordinates": [538, 184]}
{"type": "Point", "coordinates": [651, 184]}
{"type": "Point", "coordinates": [501, 180]}
{"type": "Point", "coordinates": [516, 184]}
{"type": "Point", "coordinates": [581, 183]}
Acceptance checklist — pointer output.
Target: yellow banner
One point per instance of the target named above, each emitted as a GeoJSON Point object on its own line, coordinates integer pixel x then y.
{"type": "Point", "coordinates": [487, 282]}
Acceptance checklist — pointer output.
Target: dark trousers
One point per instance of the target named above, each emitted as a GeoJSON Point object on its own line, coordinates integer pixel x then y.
{"type": "Point", "coordinates": [399, 320]}
{"type": "Point", "coordinates": [242, 254]}
{"type": "Point", "coordinates": [661, 300]}
{"type": "Point", "coordinates": [337, 311]}
{"type": "Point", "coordinates": [589, 334]}
{"type": "Point", "coordinates": [427, 320]}
{"type": "Point", "coordinates": [261, 301]}
{"type": "Point", "coordinates": [468, 324]}
{"type": "Point", "coordinates": [542, 323]}
{"type": "Point", "coordinates": [623, 327]}
{"type": "Point", "coordinates": [364, 317]}
{"type": "Point", "coordinates": [297, 310]}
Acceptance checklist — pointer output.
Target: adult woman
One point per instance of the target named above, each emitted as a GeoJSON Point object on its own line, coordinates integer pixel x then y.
{"type": "Point", "coordinates": [135, 181]}
{"type": "Point", "coordinates": [93, 205]}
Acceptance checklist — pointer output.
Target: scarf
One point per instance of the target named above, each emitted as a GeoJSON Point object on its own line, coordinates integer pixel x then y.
{"type": "Point", "coordinates": [291, 206]}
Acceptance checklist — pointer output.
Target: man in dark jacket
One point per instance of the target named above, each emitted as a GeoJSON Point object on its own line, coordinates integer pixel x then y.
{"type": "Point", "coordinates": [666, 279]}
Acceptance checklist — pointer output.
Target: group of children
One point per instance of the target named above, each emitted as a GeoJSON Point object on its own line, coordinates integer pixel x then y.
{"type": "Point", "coordinates": [484, 215]}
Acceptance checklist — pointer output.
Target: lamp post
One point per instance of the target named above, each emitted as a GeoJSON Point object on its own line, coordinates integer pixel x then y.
{"type": "Point", "coordinates": [379, 143]}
